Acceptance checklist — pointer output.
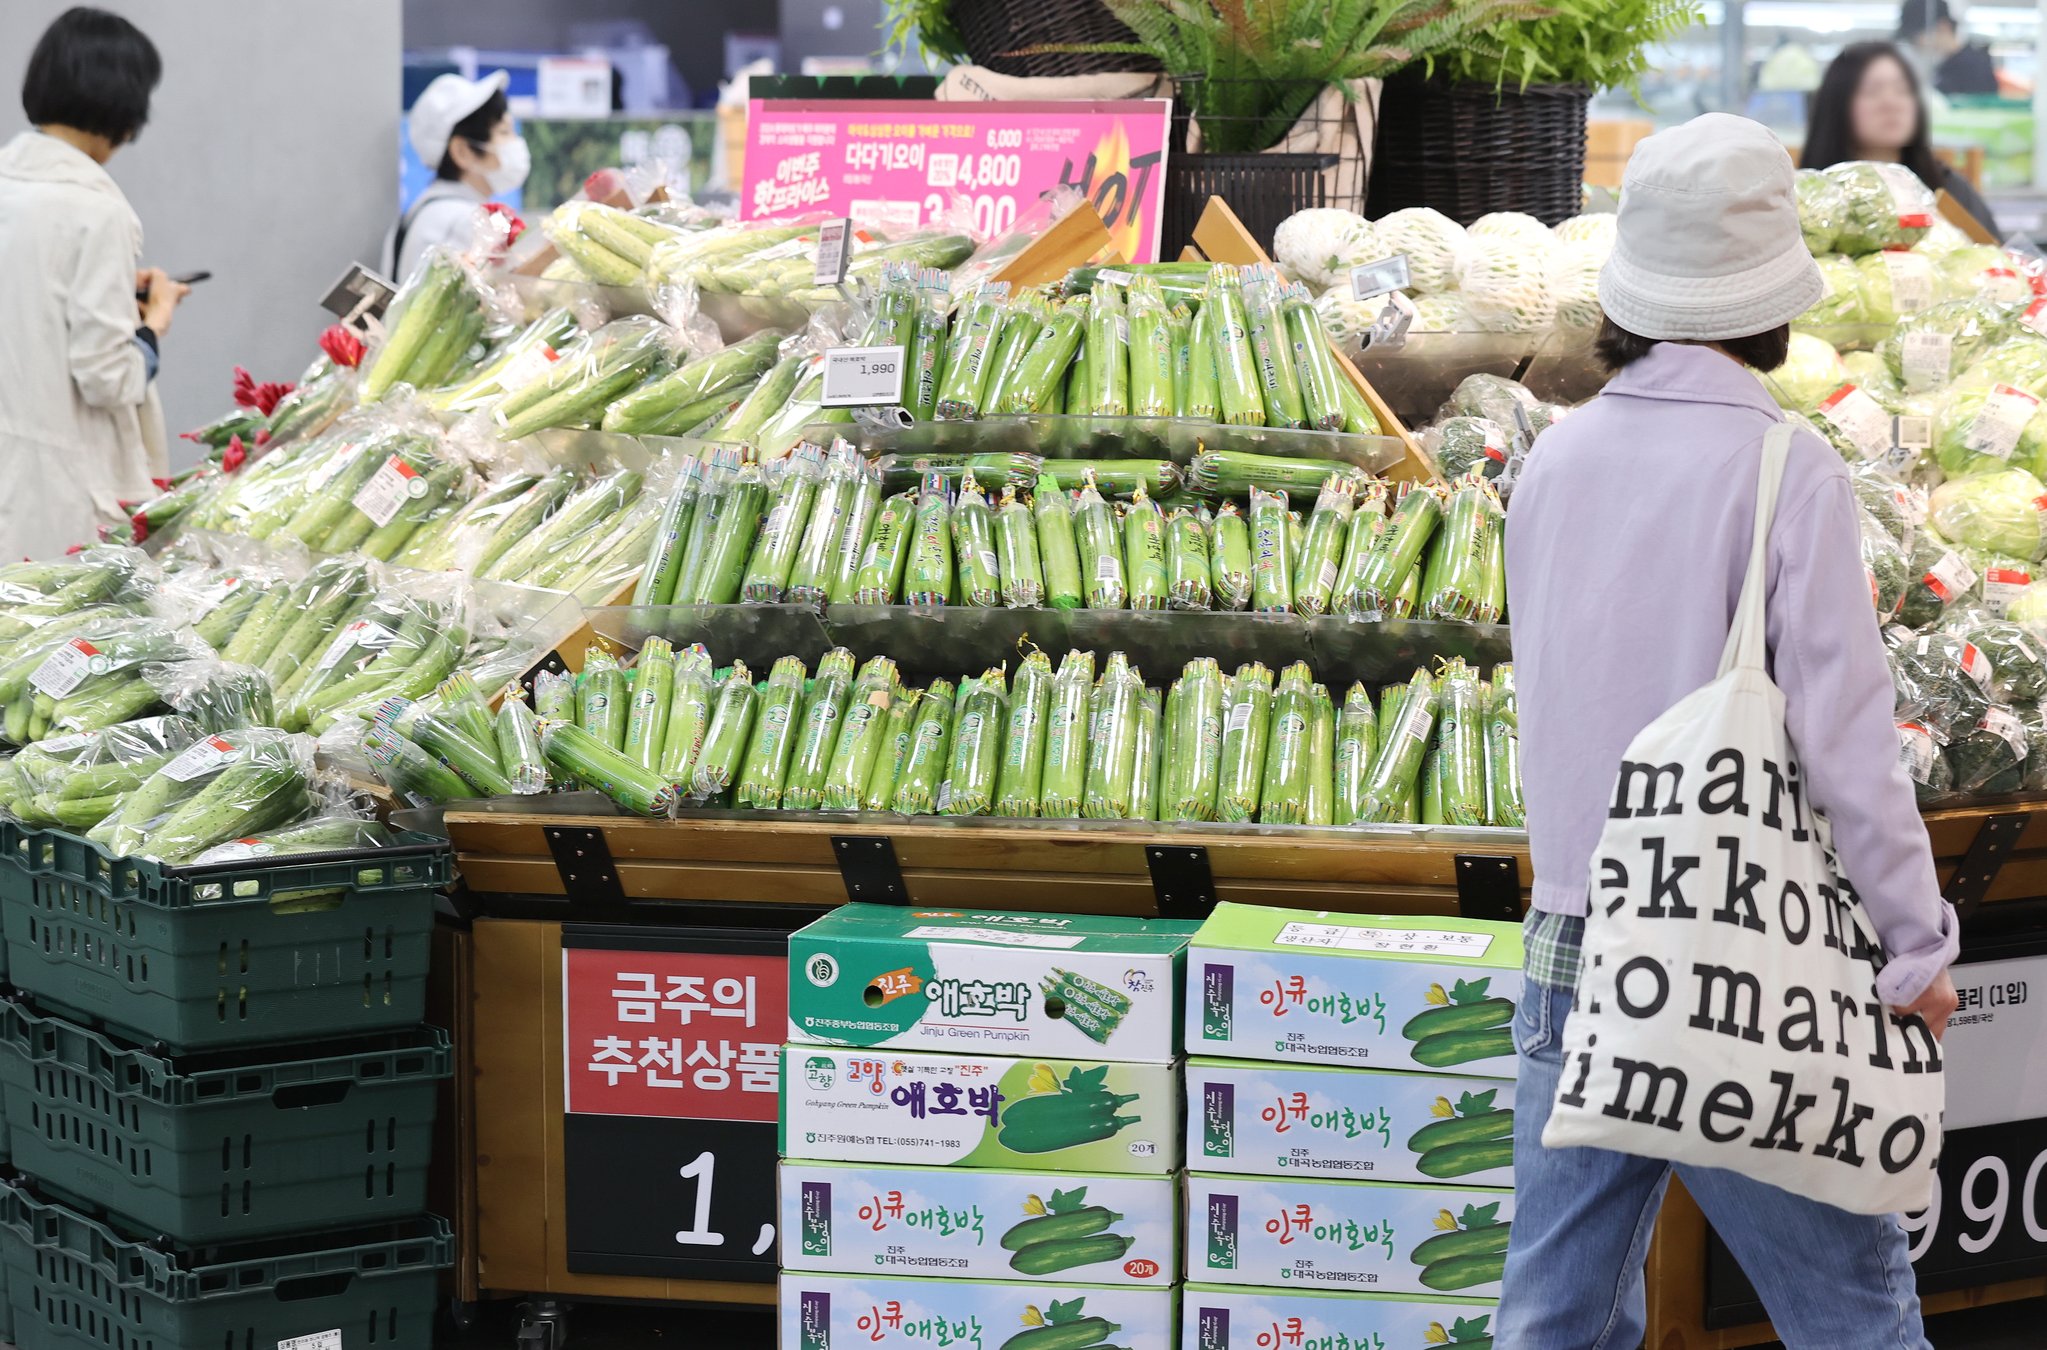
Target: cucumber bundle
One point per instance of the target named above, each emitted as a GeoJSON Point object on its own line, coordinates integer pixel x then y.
{"type": "Point", "coordinates": [434, 321]}
{"type": "Point", "coordinates": [213, 790]}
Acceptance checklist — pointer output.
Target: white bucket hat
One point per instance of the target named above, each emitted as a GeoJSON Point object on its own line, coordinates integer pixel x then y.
{"type": "Point", "coordinates": [441, 106]}
{"type": "Point", "coordinates": [1708, 245]}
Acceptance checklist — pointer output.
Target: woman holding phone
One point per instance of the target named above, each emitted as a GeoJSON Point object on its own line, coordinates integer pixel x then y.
{"type": "Point", "coordinates": [82, 324]}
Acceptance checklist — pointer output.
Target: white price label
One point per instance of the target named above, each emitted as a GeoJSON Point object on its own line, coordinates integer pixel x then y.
{"type": "Point", "coordinates": [1114, 276]}
{"type": "Point", "coordinates": [201, 757]}
{"type": "Point", "coordinates": [333, 465]}
{"type": "Point", "coordinates": [1950, 577]}
{"type": "Point", "coordinates": [1859, 418]}
{"type": "Point", "coordinates": [1911, 280]}
{"type": "Point", "coordinates": [365, 633]}
{"type": "Point", "coordinates": [2035, 316]}
{"type": "Point", "coordinates": [863, 377]}
{"type": "Point", "coordinates": [2000, 420]}
{"type": "Point", "coordinates": [1436, 941]}
{"type": "Point", "coordinates": [1109, 570]}
{"type": "Point", "coordinates": [1376, 278]}
{"type": "Point", "coordinates": [318, 1340]}
{"type": "Point", "coordinates": [1976, 666]}
{"type": "Point", "coordinates": [68, 667]}
{"type": "Point", "coordinates": [1928, 359]}
{"type": "Point", "coordinates": [2002, 285]}
{"type": "Point", "coordinates": [2005, 724]}
{"type": "Point", "coordinates": [1239, 719]}
{"type": "Point", "coordinates": [393, 484]}
{"type": "Point", "coordinates": [1908, 196]}
{"type": "Point", "coordinates": [1915, 751]}
{"type": "Point", "coordinates": [532, 364]}
{"type": "Point", "coordinates": [2001, 586]}
{"type": "Point", "coordinates": [834, 251]}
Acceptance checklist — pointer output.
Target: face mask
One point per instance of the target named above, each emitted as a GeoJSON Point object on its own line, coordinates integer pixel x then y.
{"type": "Point", "coordinates": [514, 162]}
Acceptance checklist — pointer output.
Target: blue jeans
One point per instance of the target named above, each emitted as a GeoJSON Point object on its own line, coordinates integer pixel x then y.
{"type": "Point", "coordinates": [1582, 1218]}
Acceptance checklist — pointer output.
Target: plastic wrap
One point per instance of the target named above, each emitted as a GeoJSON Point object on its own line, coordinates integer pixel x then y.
{"type": "Point", "coordinates": [404, 641]}
{"type": "Point", "coordinates": [976, 755]}
{"type": "Point", "coordinates": [592, 371]}
{"type": "Point", "coordinates": [73, 782]}
{"type": "Point", "coordinates": [1881, 206]}
{"type": "Point", "coordinates": [432, 327]}
{"type": "Point", "coordinates": [223, 787]}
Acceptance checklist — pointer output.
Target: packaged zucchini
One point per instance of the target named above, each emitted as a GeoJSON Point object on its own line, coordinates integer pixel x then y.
{"type": "Point", "coordinates": [1028, 315]}
{"type": "Point", "coordinates": [861, 735]}
{"type": "Point", "coordinates": [1042, 372]}
{"type": "Point", "coordinates": [1283, 795]}
{"type": "Point", "coordinates": [1373, 991]}
{"type": "Point", "coordinates": [1272, 590]}
{"type": "Point", "coordinates": [965, 382]}
{"type": "Point", "coordinates": [1219, 1317]}
{"type": "Point", "coordinates": [1203, 400]}
{"type": "Point", "coordinates": [815, 564]}
{"type": "Point", "coordinates": [851, 1105]}
{"type": "Point", "coordinates": [1504, 802]}
{"type": "Point", "coordinates": [894, 752]}
{"type": "Point", "coordinates": [776, 724]}
{"type": "Point", "coordinates": [1357, 746]}
{"type": "Point", "coordinates": [1097, 534]}
{"type": "Point", "coordinates": [1150, 351]}
{"type": "Point", "coordinates": [820, 1311]}
{"type": "Point", "coordinates": [1272, 352]}
{"type": "Point", "coordinates": [1016, 554]}
{"type": "Point", "coordinates": [1322, 384]}
{"type": "Point", "coordinates": [1058, 547]}
{"type": "Point", "coordinates": [1064, 779]}
{"type": "Point", "coordinates": [818, 733]}
{"type": "Point", "coordinates": [929, 580]}
{"type": "Point", "coordinates": [926, 345]}
{"type": "Point", "coordinates": [1247, 722]}
{"type": "Point", "coordinates": [1460, 746]}
{"type": "Point", "coordinates": [849, 551]}
{"type": "Point", "coordinates": [727, 735]}
{"type": "Point", "coordinates": [1193, 758]}
{"type": "Point", "coordinates": [1105, 388]}
{"type": "Point", "coordinates": [980, 1224]}
{"type": "Point", "coordinates": [976, 755]}
{"type": "Point", "coordinates": [1112, 742]}
{"type": "Point", "coordinates": [1230, 559]}
{"type": "Point", "coordinates": [973, 542]}
{"type": "Point", "coordinates": [1187, 563]}
{"type": "Point", "coordinates": [1394, 550]}
{"type": "Point", "coordinates": [601, 706]}
{"type": "Point", "coordinates": [879, 578]}
{"type": "Point", "coordinates": [1144, 553]}
{"type": "Point", "coordinates": [1145, 757]}
{"type": "Point", "coordinates": [1239, 393]}
{"type": "Point", "coordinates": [573, 754]}
{"type": "Point", "coordinates": [689, 716]}
{"type": "Point", "coordinates": [1023, 738]}
{"type": "Point", "coordinates": [1456, 584]}
{"type": "Point", "coordinates": [1316, 575]}
{"type": "Point", "coordinates": [1404, 741]}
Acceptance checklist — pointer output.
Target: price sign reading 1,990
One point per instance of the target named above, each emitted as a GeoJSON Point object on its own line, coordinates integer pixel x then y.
{"type": "Point", "coordinates": [863, 377]}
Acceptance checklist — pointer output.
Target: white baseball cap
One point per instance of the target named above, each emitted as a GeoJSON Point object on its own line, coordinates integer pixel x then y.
{"type": "Point", "coordinates": [1707, 246]}
{"type": "Point", "coordinates": [441, 106]}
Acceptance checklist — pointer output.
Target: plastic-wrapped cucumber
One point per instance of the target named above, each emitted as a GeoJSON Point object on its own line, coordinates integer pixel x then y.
{"type": "Point", "coordinates": [1203, 399]}
{"type": "Point", "coordinates": [750, 417]}
{"type": "Point", "coordinates": [1058, 548]}
{"type": "Point", "coordinates": [863, 504]}
{"type": "Point", "coordinates": [1064, 777]}
{"type": "Point", "coordinates": [601, 707]}
{"type": "Point", "coordinates": [653, 699]}
{"type": "Point", "coordinates": [475, 761]}
{"type": "Point", "coordinates": [1151, 351]}
{"type": "Point", "coordinates": [1028, 314]}
{"type": "Point", "coordinates": [1242, 403]}
{"type": "Point", "coordinates": [1454, 586]}
{"type": "Point", "coordinates": [1283, 791]}
{"type": "Point", "coordinates": [725, 739]}
{"type": "Point", "coordinates": [774, 549]}
{"type": "Point", "coordinates": [1460, 744]}
{"type": "Point", "coordinates": [518, 742]}
{"type": "Point", "coordinates": [1271, 349]}
{"type": "Point", "coordinates": [1367, 523]}
{"type": "Point", "coordinates": [966, 377]}
{"type": "Point", "coordinates": [1502, 711]}
{"type": "Point", "coordinates": [1041, 374]}
{"type": "Point", "coordinates": [410, 772]}
{"type": "Point", "coordinates": [1233, 473]}
{"type": "Point", "coordinates": [1322, 548]}
{"type": "Point", "coordinates": [737, 525]}
{"type": "Point", "coordinates": [1247, 725]}
{"type": "Point", "coordinates": [976, 756]}
{"type": "Point", "coordinates": [993, 469]}
{"type": "Point", "coordinates": [930, 752]}
{"type": "Point", "coordinates": [1106, 392]}
{"type": "Point", "coordinates": [1404, 739]}
{"type": "Point", "coordinates": [1230, 558]}
{"type": "Point", "coordinates": [1272, 590]}
{"type": "Point", "coordinates": [894, 752]}
{"type": "Point", "coordinates": [1116, 477]}
{"type": "Point", "coordinates": [1187, 563]}
{"type": "Point", "coordinates": [927, 341]}
{"type": "Point", "coordinates": [573, 753]}
{"type": "Point", "coordinates": [1395, 550]}
{"type": "Point", "coordinates": [1144, 758]}
{"type": "Point", "coordinates": [973, 541]}
{"type": "Point", "coordinates": [1321, 383]}
{"type": "Point", "coordinates": [860, 735]}
{"type": "Point", "coordinates": [775, 725]}
{"type": "Point", "coordinates": [689, 717]}
{"type": "Point", "coordinates": [1357, 745]}
{"type": "Point", "coordinates": [817, 557]}
{"type": "Point", "coordinates": [1023, 738]}
{"type": "Point", "coordinates": [1322, 759]}
{"type": "Point", "coordinates": [554, 696]}
{"type": "Point", "coordinates": [879, 578]}
{"type": "Point", "coordinates": [1144, 551]}
{"type": "Point", "coordinates": [656, 585]}
{"type": "Point", "coordinates": [1096, 534]}
{"type": "Point", "coordinates": [713, 488]}
{"type": "Point", "coordinates": [1195, 752]}
{"type": "Point", "coordinates": [1492, 604]}
{"type": "Point", "coordinates": [818, 732]}
{"type": "Point", "coordinates": [1112, 742]}
{"type": "Point", "coordinates": [929, 580]}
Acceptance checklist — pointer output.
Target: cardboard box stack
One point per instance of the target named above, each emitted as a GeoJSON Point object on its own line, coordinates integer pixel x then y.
{"type": "Point", "coordinates": [981, 1131]}
{"type": "Point", "coordinates": [1349, 1129]}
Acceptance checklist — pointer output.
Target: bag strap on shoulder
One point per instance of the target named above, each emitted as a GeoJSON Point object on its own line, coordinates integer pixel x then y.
{"type": "Point", "coordinates": [1748, 636]}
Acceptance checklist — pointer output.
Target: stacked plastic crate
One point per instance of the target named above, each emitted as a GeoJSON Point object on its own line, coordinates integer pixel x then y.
{"type": "Point", "coordinates": [1350, 1150]}
{"type": "Point", "coordinates": [992, 1100]}
{"type": "Point", "coordinates": [219, 1098]}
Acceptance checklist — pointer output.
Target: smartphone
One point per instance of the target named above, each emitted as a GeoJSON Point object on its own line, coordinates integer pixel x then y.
{"type": "Point", "coordinates": [189, 279]}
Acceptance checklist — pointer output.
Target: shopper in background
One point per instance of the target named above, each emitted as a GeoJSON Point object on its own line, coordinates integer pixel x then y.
{"type": "Point", "coordinates": [1630, 535]}
{"type": "Point", "coordinates": [464, 129]}
{"type": "Point", "coordinates": [1959, 66]}
{"type": "Point", "coordinates": [80, 427]}
{"type": "Point", "coordinates": [1868, 107]}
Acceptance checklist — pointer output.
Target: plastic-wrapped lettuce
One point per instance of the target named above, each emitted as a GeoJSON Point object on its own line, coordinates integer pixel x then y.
{"type": "Point", "coordinates": [2029, 608]}
{"type": "Point", "coordinates": [1927, 350]}
{"type": "Point", "coordinates": [1820, 206]}
{"type": "Point", "coordinates": [1321, 244]}
{"type": "Point", "coordinates": [1882, 206]}
{"type": "Point", "coordinates": [1494, 397]}
{"type": "Point", "coordinates": [1895, 283]}
{"type": "Point", "coordinates": [1991, 416]}
{"type": "Point", "coordinates": [1998, 511]}
{"type": "Point", "coordinates": [1841, 302]}
{"type": "Point", "coordinates": [1869, 374]}
{"type": "Point", "coordinates": [1506, 285]}
{"type": "Point", "coordinates": [1981, 270]}
{"type": "Point", "coordinates": [1432, 241]}
{"type": "Point", "coordinates": [1812, 369]}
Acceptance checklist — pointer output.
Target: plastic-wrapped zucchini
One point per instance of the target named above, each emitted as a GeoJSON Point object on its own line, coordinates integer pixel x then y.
{"type": "Point", "coordinates": [1016, 553]}
{"type": "Point", "coordinates": [930, 753]}
{"type": "Point", "coordinates": [1404, 739]}
{"type": "Point", "coordinates": [1144, 553]}
{"type": "Point", "coordinates": [861, 733]}
{"type": "Point", "coordinates": [1357, 745]}
{"type": "Point", "coordinates": [1151, 351]}
{"type": "Point", "coordinates": [1455, 585]}
{"type": "Point", "coordinates": [773, 555]}
{"type": "Point", "coordinates": [1241, 401]}
{"type": "Point", "coordinates": [1230, 559]}
{"type": "Point", "coordinates": [1272, 590]}
{"type": "Point", "coordinates": [1144, 758]}
{"type": "Point", "coordinates": [1271, 350]}
{"type": "Point", "coordinates": [1063, 781]}
{"type": "Point", "coordinates": [1023, 740]}
{"type": "Point", "coordinates": [973, 540]}
{"type": "Point", "coordinates": [689, 717]}
{"type": "Point", "coordinates": [1393, 553]}
{"type": "Point", "coordinates": [886, 557]}
{"type": "Point", "coordinates": [1321, 550]}
{"type": "Point", "coordinates": [1058, 548]}
{"type": "Point", "coordinates": [1283, 793]}
{"type": "Point", "coordinates": [775, 726]}
{"type": "Point", "coordinates": [1096, 533]}
{"type": "Point", "coordinates": [894, 751]}
{"type": "Point", "coordinates": [818, 732]}
{"type": "Point", "coordinates": [976, 757]}
{"type": "Point", "coordinates": [1112, 742]}
{"type": "Point", "coordinates": [929, 578]}
{"type": "Point", "coordinates": [1105, 391]}
{"type": "Point", "coordinates": [1504, 802]}
{"type": "Point", "coordinates": [725, 739]}
{"type": "Point", "coordinates": [653, 700]}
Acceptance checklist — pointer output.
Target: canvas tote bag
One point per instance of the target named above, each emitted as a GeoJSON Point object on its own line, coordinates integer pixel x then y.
{"type": "Point", "coordinates": [1728, 1014]}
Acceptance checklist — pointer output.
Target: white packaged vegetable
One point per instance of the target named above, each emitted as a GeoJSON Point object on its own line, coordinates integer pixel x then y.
{"type": "Point", "coordinates": [1320, 245]}
{"type": "Point", "coordinates": [1432, 242]}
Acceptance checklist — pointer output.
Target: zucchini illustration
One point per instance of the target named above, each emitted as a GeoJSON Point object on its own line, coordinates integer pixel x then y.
{"type": "Point", "coordinates": [1485, 1240]}
{"type": "Point", "coordinates": [1069, 1226]}
{"type": "Point", "coordinates": [1457, 1160]}
{"type": "Point", "coordinates": [1045, 1258]}
{"type": "Point", "coordinates": [1464, 1272]}
{"type": "Point", "coordinates": [1480, 1016]}
{"type": "Point", "coordinates": [1051, 1121]}
{"type": "Point", "coordinates": [1461, 1047]}
{"type": "Point", "coordinates": [1078, 1334]}
{"type": "Point", "coordinates": [1474, 1129]}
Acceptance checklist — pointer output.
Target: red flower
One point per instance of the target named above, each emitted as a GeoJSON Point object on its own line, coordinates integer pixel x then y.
{"type": "Point", "coordinates": [263, 397]}
{"type": "Point", "coordinates": [234, 456]}
{"type": "Point", "coordinates": [140, 523]}
{"type": "Point", "coordinates": [343, 348]}
{"type": "Point", "coordinates": [164, 484]}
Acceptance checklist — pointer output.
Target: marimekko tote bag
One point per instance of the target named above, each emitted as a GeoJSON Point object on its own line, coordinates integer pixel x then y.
{"type": "Point", "coordinates": [1728, 1014]}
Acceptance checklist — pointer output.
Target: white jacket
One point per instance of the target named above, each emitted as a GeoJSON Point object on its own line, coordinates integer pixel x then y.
{"type": "Point", "coordinates": [80, 427]}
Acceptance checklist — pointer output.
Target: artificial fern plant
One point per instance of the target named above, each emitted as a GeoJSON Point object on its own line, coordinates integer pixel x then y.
{"type": "Point", "coordinates": [1600, 43]}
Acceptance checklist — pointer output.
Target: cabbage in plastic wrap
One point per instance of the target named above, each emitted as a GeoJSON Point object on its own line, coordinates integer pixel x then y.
{"type": "Point", "coordinates": [1820, 206]}
{"type": "Point", "coordinates": [1812, 369]}
{"type": "Point", "coordinates": [1999, 512]}
{"type": "Point", "coordinates": [1841, 301]}
{"type": "Point", "coordinates": [1882, 206]}
{"type": "Point", "coordinates": [1927, 350]}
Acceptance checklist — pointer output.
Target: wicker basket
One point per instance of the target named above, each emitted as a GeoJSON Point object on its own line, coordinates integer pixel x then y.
{"type": "Point", "coordinates": [1468, 149]}
{"type": "Point", "coordinates": [993, 30]}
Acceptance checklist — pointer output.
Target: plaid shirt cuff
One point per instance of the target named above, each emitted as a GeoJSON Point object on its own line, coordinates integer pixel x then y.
{"type": "Point", "coordinates": [1552, 944]}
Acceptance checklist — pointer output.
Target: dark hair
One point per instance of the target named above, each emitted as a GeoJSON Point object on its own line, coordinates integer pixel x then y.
{"type": "Point", "coordinates": [1617, 348]}
{"type": "Point", "coordinates": [93, 71]}
{"type": "Point", "coordinates": [1829, 126]}
{"type": "Point", "coordinates": [475, 129]}
{"type": "Point", "coordinates": [1923, 16]}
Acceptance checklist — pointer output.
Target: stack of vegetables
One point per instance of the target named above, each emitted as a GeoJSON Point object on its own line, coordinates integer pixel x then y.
{"type": "Point", "coordinates": [1485, 421]}
{"type": "Point", "coordinates": [815, 528]}
{"type": "Point", "coordinates": [1075, 742]}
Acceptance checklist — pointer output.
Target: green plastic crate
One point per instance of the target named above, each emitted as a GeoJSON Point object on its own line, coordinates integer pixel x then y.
{"type": "Point", "coordinates": [227, 1146]}
{"type": "Point", "coordinates": [242, 953]}
{"type": "Point", "coordinates": [75, 1282]}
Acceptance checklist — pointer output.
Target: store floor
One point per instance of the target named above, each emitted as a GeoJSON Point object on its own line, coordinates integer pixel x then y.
{"type": "Point", "coordinates": [2015, 1326]}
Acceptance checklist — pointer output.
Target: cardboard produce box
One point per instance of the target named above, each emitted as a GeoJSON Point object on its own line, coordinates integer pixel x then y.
{"type": "Point", "coordinates": [974, 1223]}
{"type": "Point", "coordinates": [1361, 1124]}
{"type": "Point", "coordinates": [886, 1312]}
{"type": "Point", "coordinates": [1368, 1236]}
{"type": "Point", "coordinates": [1367, 990]}
{"type": "Point", "coordinates": [1054, 1115]}
{"type": "Point", "coordinates": [1218, 1317]}
{"type": "Point", "coordinates": [1073, 986]}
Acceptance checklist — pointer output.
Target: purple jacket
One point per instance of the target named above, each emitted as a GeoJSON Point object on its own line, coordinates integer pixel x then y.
{"type": "Point", "coordinates": [1626, 544]}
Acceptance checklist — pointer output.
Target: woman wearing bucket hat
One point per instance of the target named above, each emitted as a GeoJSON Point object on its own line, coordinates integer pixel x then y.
{"type": "Point", "coordinates": [1627, 545]}
{"type": "Point", "coordinates": [463, 129]}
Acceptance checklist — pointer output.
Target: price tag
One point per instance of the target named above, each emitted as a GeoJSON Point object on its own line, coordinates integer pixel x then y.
{"type": "Point", "coordinates": [2004, 724]}
{"type": "Point", "coordinates": [393, 484]}
{"type": "Point", "coordinates": [200, 758]}
{"type": "Point", "coordinates": [1915, 750]}
{"type": "Point", "coordinates": [1949, 577]}
{"type": "Point", "coordinates": [365, 633]}
{"type": "Point", "coordinates": [2000, 420]}
{"type": "Point", "coordinates": [358, 297]}
{"type": "Point", "coordinates": [2035, 316]}
{"type": "Point", "coordinates": [2002, 285]}
{"type": "Point", "coordinates": [68, 667]}
{"type": "Point", "coordinates": [1389, 330]}
{"type": "Point", "coordinates": [1115, 276]}
{"type": "Point", "coordinates": [1860, 419]}
{"type": "Point", "coordinates": [1976, 666]}
{"type": "Point", "coordinates": [834, 251]}
{"type": "Point", "coordinates": [2001, 586]}
{"type": "Point", "coordinates": [331, 467]}
{"type": "Point", "coordinates": [1911, 280]}
{"type": "Point", "coordinates": [857, 377]}
{"type": "Point", "coordinates": [1910, 436]}
{"type": "Point", "coordinates": [527, 367]}
{"type": "Point", "coordinates": [1376, 278]}
{"type": "Point", "coordinates": [1928, 359]}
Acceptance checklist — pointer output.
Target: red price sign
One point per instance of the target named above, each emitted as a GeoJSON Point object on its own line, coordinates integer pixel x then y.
{"type": "Point", "coordinates": [693, 1035]}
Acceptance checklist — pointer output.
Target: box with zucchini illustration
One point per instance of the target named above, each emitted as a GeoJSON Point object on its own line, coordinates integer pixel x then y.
{"type": "Point", "coordinates": [975, 1223]}
{"type": "Point", "coordinates": [1362, 1235]}
{"type": "Point", "coordinates": [1013, 984]}
{"type": "Point", "coordinates": [1218, 1317]}
{"type": "Point", "coordinates": [1367, 990]}
{"type": "Point", "coordinates": [1057, 1115]}
{"type": "Point", "coordinates": [1364, 1124]}
{"type": "Point", "coordinates": [862, 1312]}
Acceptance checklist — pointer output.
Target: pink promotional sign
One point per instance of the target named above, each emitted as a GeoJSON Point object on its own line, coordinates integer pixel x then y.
{"type": "Point", "coordinates": [899, 164]}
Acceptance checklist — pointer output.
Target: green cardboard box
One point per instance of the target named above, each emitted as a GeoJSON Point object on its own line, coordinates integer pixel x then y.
{"type": "Point", "coordinates": [1066, 985]}
{"type": "Point", "coordinates": [1219, 1317]}
{"type": "Point", "coordinates": [1366, 990]}
{"type": "Point", "coordinates": [979, 1223]}
{"type": "Point", "coordinates": [1056, 1115]}
{"type": "Point", "coordinates": [890, 1312]}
